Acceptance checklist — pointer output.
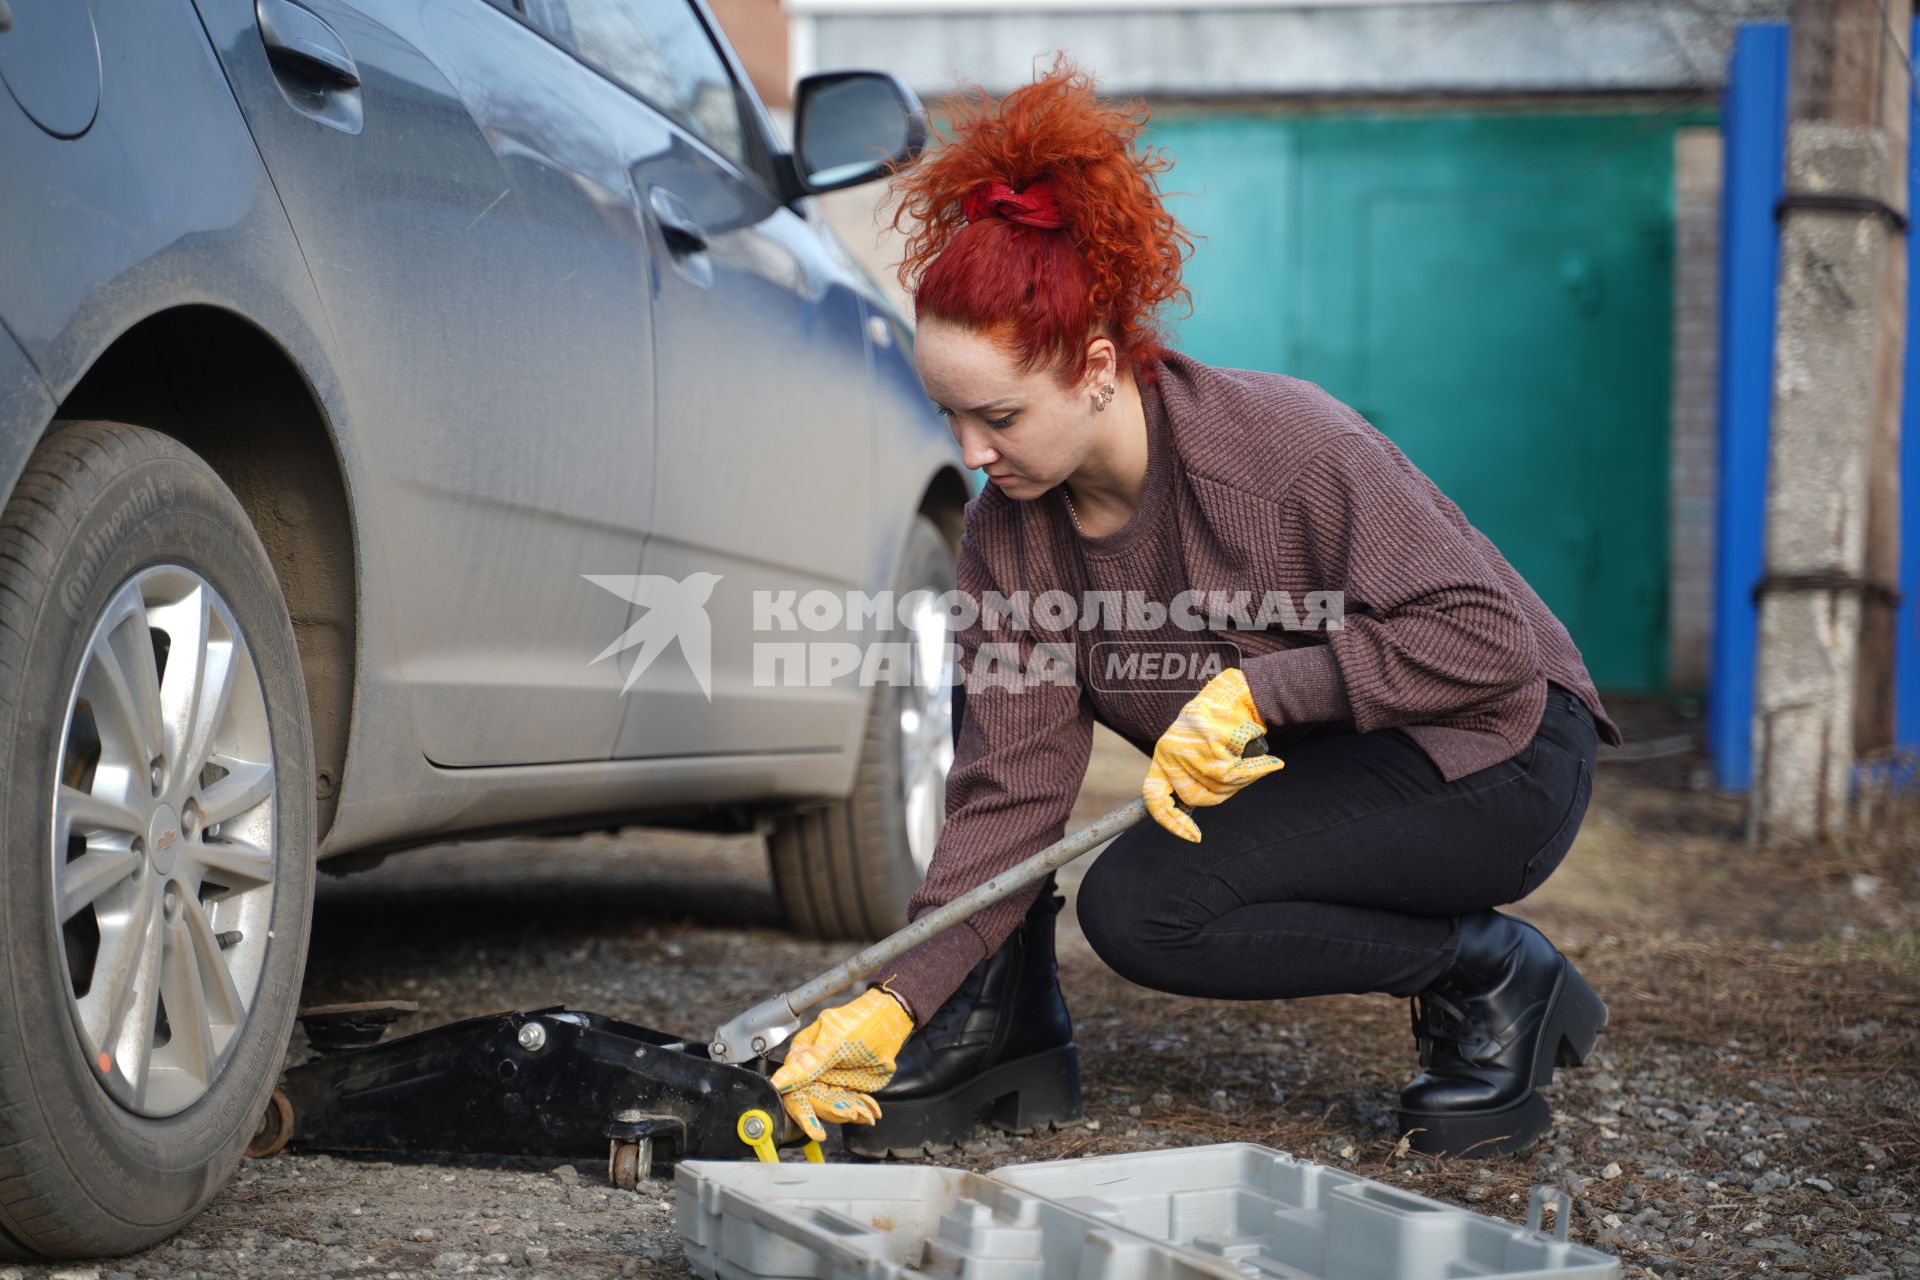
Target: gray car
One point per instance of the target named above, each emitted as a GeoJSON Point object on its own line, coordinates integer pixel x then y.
{"type": "Point", "coordinates": [417, 418]}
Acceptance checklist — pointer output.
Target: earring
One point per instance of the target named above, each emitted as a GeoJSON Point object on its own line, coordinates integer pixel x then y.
{"type": "Point", "coordinates": [1105, 397]}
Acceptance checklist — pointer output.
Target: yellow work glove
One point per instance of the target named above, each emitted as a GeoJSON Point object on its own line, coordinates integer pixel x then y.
{"type": "Point", "coordinates": [840, 1059]}
{"type": "Point", "coordinates": [1197, 759]}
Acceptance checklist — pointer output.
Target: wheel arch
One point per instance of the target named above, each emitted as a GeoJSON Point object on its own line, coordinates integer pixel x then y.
{"type": "Point", "coordinates": [223, 387]}
{"type": "Point", "coordinates": [945, 503]}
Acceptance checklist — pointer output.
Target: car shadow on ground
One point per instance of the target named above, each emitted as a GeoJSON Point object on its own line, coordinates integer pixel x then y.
{"type": "Point", "coordinates": [593, 884]}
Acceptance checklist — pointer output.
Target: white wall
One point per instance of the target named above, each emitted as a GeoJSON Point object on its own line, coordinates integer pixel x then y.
{"type": "Point", "coordinates": [1168, 48]}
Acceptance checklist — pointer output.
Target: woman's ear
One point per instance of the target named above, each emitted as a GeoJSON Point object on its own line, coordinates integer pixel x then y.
{"type": "Point", "coordinates": [1103, 363]}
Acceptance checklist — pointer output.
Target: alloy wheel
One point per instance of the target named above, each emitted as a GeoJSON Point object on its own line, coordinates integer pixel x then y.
{"type": "Point", "coordinates": [163, 840]}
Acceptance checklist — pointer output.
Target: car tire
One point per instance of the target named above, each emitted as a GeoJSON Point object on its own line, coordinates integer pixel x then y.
{"type": "Point", "coordinates": [120, 1124]}
{"type": "Point", "coordinates": [846, 869]}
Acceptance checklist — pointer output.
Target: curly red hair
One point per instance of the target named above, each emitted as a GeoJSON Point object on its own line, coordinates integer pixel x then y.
{"type": "Point", "coordinates": [1041, 292]}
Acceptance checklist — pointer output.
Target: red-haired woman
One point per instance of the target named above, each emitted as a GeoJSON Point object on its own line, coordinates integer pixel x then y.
{"type": "Point", "coordinates": [1438, 724]}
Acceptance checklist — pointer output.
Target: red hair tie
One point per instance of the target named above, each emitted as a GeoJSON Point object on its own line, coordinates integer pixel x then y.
{"type": "Point", "coordinates": [1034, 206]}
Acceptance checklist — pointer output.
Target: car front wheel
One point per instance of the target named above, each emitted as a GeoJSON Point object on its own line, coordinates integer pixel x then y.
{"type": "Point", "coordinates": [158, 818]}
{"type": "Point", "coordinates": [847, 869]}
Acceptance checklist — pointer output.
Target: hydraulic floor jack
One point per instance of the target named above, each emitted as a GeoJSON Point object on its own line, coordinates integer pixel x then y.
{"type": "Point", "coordinates": [555, 1082]}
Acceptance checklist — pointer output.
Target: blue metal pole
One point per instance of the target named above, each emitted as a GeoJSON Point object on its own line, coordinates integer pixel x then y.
{"type": "Point", "coordinates": [1755, 129]}
{"type": "Point", "coordinates": [1906, 664]}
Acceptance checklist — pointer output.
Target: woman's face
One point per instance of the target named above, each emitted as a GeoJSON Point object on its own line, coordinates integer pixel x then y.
{"type": "Point", "coordinates": [1024, 428]}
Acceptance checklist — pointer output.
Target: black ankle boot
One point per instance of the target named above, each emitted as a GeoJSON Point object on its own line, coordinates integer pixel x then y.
{"type": "Point", "coordinates": [1490, 1029]}
{"type": "Point", "coordinates": [1000, 1049]}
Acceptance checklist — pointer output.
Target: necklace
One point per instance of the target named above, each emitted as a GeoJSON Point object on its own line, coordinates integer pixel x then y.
{"type": "Point", "coordinates": [1073, 513]}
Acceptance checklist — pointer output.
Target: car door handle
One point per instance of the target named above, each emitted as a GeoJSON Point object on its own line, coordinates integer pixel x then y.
{"type": "Point", "coordinates": [683, 234]}
{"type": "Point", "coordinates": [296, 37]}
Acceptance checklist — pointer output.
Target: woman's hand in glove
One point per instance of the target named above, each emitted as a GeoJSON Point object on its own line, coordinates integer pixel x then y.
{"type": "Point", "coordinates": [1197, 759]}
{"type": "Point", "coordinates": [839, 1060]}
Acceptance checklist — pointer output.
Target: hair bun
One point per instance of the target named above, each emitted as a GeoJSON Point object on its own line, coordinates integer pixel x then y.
{"type": "Point", "coordinates": [978, 211]}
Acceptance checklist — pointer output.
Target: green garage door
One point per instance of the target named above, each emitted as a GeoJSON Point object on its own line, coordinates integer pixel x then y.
{"type": "Point", "coordinates": [1493, 292]}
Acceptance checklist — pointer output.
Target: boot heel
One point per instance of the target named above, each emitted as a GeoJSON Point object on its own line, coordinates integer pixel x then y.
{"type": "Point", "coordinates": [1048, 1093]}
{"type": "Point", "coordinates": [1572, 1027]}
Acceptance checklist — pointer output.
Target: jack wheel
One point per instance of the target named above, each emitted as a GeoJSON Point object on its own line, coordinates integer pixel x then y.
{"type": "Point", "coordinates": [629, 1163]}
{"type": "Point", "coordinates": [276, 1127]}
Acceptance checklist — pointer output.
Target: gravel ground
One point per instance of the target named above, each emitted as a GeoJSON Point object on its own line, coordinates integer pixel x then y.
{"type": "Point", "coordinates": [1754, 1109]}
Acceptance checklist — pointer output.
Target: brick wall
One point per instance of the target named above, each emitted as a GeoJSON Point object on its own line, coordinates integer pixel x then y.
{"type": "Point", "coordinates": [757, 30]}
{"type": "Point", "coordinates": [1694, 411]}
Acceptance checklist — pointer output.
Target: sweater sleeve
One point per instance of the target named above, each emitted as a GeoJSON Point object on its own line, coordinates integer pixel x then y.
{"type": "Point", "coordinates": [1022, 752]}
{"type": "Point", "coordinates": [1429, 628]}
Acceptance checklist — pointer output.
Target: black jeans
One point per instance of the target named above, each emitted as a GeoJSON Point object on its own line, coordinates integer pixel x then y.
{"type": "Point", "coordinates": [1346, 871]}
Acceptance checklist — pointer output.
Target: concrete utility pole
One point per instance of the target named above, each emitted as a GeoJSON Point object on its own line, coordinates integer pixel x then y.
{"type": "Point", "coordinates": [1823, 687]}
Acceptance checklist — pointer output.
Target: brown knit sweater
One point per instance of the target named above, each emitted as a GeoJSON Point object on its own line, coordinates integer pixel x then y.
{"type": "Point", "coordinates": [1256, 483]}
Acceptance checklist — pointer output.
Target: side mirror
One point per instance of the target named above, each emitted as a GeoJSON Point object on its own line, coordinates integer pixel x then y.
{"type": "Point", "coordinates": [850, 126]}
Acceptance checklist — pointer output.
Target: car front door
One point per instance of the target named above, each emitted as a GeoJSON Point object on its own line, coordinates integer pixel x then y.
{"type": "Point", "coordinates": [764, 455]}
{"type": "Point", "coordinates": [453, 180]}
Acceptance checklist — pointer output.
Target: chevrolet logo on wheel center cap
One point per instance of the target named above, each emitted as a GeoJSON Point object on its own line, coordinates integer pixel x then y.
{"type": "Point", "coordinates": [163, 833]}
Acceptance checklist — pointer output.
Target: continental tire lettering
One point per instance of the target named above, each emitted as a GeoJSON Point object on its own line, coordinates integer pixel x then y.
{"type": "Point", "coordinates": [149, 496]}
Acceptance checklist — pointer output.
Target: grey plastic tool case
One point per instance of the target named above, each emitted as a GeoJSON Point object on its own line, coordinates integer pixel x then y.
{"type": "Point", "coordinates": [1233, 1210]}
